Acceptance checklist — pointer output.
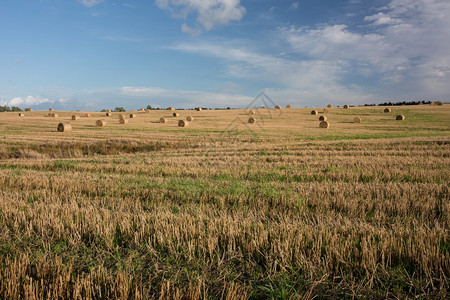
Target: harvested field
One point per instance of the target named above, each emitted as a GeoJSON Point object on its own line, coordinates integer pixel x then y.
{"type": "Point", "coordinates": [276, 209]}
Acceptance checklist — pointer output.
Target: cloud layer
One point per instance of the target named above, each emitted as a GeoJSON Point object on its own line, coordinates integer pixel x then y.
{"type": "Point", "coordinates": [27, 101]}
{"type": "Point", "coordinates": [405, 46]}
{"type": "Point", "coordinates": [90, 3]}
{"type": "Point", "coordinates": [209, 13]}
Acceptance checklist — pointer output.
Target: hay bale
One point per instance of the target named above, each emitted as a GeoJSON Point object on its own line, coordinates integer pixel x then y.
{"type": "Point", "coordinates": [132, 116]}
{"type": "Point", "coordinates": [438, 103]}
{"type": "Point", "coordinates": [325, 111]}
{"type": "Point", "coordinates": [183, 123]}
{"type": "Point", "coordinates": [170, 108]}
{"type": "Point", "coordinates": [198, 109]}
{"type": "Point", "coordinates": [162, 120]}
{"type": "Point", "coordinates": [64, 127]}
{"type": "Point", "coordinates": [100, 123]}
{"type": "Point", "coordinates": [251, 112]}
{"type": "Point", "coordinates": [329, 106]}
{"type": "Point", "coordinates": [50, 109]}
{"type": "Point", "coordinates": [108, 110]}
{"type": "Point", "coordinates": [28, 109]}
{"type": "Point", "coordinates": [251, 120]}
{"type": "Point", "coordinates": [21, 115]}
{"type": "Point", "coordinates": [74, 117]}
{"type": "Point", "coordinates": [147, 111]}
{"type": "Point", "coordinates": [123, 121]}
{"type": "Point", "coordinates": [53, 115]}
{"type": "Point", "coordinates": [346, 106]}
{"type": "Point", "coordinates": [400, 118]}
{"type": "Point", "coordinates": [189, 118]}
{"type": "Point", "coordinates": [288, 106]}
{"type": "Point", "coordinates": [324, 124]}
{"type": "Point", "coordinates": [87, 115]}
{"type": "Point", "coordinates": [108, 114]}
{"type": "Point", "coordinates": [121, 116]}
{"type": "Point", "coordinates": [175, 114]}
{"type": "Point", "coordinates": [277, 107]}
{"type": "Point", "coordinates": [387, 110]}
{"type": "Point", "coordinates": [322, 118]}
{"type": "Point", "coordinates": [314, 112]}
{"type": "Point", "coordinates": [141, 109]}
{"type": "Point", "coordinates": [357, 120]}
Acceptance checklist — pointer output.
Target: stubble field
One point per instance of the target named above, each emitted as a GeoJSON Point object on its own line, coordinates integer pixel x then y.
{"type": "Point", "coordinates": [226, 209]}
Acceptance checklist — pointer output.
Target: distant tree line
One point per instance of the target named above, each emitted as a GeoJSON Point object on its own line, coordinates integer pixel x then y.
{"type": "Point", "coordinates": [407, 103]}
{"type": "Point", "coordinates": [12, 108]}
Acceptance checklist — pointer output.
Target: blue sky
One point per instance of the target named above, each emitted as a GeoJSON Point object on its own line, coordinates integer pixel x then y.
{"type": "Point", "coordinates": [95, 54]}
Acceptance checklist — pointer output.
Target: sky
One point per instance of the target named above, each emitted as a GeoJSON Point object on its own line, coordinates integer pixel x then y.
{"type": "Point", "coordinates": [99, 54]}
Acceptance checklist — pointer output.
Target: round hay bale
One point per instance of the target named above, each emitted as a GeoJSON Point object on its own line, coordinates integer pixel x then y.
{"type": "Point", "coordinates": [329, 106]}
{"type": "Point", "coordinates": [251, 112]}
{"type": "Point", "coordinates": [50, 109]}
{"type": "Point", "coordinates": [108, 110]}
{"type": "Point", "coordinates": [162, 120]}
{"type": "Point", "coordinates": [28, 109]}
{"type": "Point", "coordinates": [87, 115]}
{"type": "Point", "coordinates": [314, 112]}
{"type": "Point", "coordinates": [21, 114]}
{"type": "Point", "coordinates": [346, 106]}
{"type": "Point", "coordinates": [74, 117]}
{"type": "Point", "coordinates": [288, 106]}
{"type": "Point", "coordinates": [170, 108]}
{"type": "Point", "coordinates": [64, 127]}
{"type": "Point", "coordinates": [400, 118]}
{"type": "Point", "coordinates": [277, 107]}
{"type": "Point", "coordinates": [183, 123]}
{"type": "Point", "coordinates": [108, 114]}
{"type": "Point", "coordinates": [141, 109]}
{"type": "Point", "coordinates": [387, 110]}
{"type": "Point", "coordinates": [322, 118]}
{"type": "Point", "coordinates": [325, 111]}
{"type": "Point", "coordinates": [198, 109]}
{"type": "Point", "coordinates": [132, 116]}
{"type": "Point", "coordinates": [123, 121]}
{"type": "Point", "coordinates": [53, 115]}
{"type": "Point", "coordinates": [175, 114]}
{"type": "Point", "coordinates": [100, 123]}
{"type": "Point", "coordinates": [357, 120]}
{"type": "Point", "coordinates": [324, 124]}
{"type": "Point", "coordinates": [189, 118]}
{"type": "Point", "coordinates": [251, 120]}
{"type": "Point", "coordinates": [121, 116]}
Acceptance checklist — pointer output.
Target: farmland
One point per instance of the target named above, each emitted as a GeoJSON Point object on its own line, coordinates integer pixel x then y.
{"type": "Point", "coordinates": [226, 209]}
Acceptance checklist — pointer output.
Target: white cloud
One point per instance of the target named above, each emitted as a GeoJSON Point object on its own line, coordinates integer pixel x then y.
{"type": "Point", "coordinates": [182, 98]}
{"type": "Point", "coordinates": [209, 13]}
{"type": "Point", "coordinates": [406, 45]}
{"type": "Point", "coordinates": [90, 3]}
{"type": "Point", "coordinates": [381, 19]}
{"type": "Point", "coordinates": [301, 81]}
{"type": "Point", "coordinates": [27, 101]}
{"type": "Point", "coordinates": [192, 31]}
{"type": "Point", "coordinates": [295, 5]}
